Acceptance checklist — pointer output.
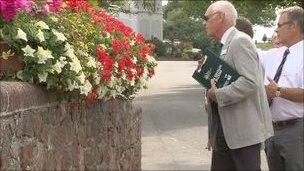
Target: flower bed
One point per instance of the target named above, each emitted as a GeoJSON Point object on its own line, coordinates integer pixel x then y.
{"type": "Point", "coordinates": [69, 46]}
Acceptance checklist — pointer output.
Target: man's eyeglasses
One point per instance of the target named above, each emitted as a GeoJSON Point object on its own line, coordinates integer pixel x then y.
{"type": "Point", "coordinates": [282, 24]}
{"type": "Point", "coordinates": [207, 17]}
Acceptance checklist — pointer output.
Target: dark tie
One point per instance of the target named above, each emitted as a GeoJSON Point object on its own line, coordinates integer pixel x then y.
{"type": "Point", "coordinates": [279, 70]}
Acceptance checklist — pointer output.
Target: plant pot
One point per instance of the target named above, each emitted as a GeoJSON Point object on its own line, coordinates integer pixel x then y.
{"type": "Point", "coordinates": [13, 63]}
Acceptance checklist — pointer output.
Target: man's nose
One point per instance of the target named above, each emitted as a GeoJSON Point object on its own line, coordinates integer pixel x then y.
{"type": "Point", "coordinates": [276, 30]}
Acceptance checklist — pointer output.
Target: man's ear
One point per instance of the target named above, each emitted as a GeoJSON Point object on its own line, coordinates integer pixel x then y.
{"type": "Point", "coordinates": [293, 27]}
{"type": "Point", "coordinates": [222, 16]}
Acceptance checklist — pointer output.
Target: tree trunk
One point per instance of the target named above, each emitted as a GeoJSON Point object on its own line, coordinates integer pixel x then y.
{"type": "Point", "coordinates": [172, 45]}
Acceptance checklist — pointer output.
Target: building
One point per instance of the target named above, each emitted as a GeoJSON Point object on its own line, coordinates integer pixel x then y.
{"type": "Point", "coordinates": [145, 17]}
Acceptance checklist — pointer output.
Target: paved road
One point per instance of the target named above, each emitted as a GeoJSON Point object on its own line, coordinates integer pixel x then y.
{"type": "Point", "coordinates": [174, 127]}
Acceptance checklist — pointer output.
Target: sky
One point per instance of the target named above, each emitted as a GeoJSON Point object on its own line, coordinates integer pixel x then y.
{"type": "Point", "coordinates": [259, 31]}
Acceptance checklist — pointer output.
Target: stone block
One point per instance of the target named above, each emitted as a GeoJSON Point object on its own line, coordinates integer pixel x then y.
{"type": "Point", "coordinates": [42, 133]}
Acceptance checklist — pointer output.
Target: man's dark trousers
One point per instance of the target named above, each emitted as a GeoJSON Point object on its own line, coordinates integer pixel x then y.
{"type": "Point", "coordinates": [223, 158]}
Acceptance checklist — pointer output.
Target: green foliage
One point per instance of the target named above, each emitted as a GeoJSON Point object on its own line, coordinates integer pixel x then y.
{"type": "Point", "coordinates": [160, 47]}
{"type": "Point", "coordinates": [178, 26]}
{"type": "Point", "coordinates": [246, 8]}
{"type": "Point", "coordinates": [83, 35]}
{"type": "Point", "coordinates": [183, 19]}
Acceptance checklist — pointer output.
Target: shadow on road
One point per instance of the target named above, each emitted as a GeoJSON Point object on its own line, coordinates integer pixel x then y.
{"type": "Point", "coordinates": [184, 165]}
{"type": "Point", "coordinates": [174, 108]}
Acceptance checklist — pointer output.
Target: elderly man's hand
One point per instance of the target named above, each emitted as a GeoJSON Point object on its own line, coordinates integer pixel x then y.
{"type": "Point", "coordinates": [271, 89]}
{"type": "Point", "coordinates": [211, 91]}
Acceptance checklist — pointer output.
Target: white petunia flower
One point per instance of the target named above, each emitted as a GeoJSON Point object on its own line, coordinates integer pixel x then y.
{"type": "Point", "coordinates": [72, 86]}
{"type": "Point", "coordinates": [43, 55]}
{"type": "Point", "coordinates": [59, 36]}
{"type": "Point", "coordinates": [55, 19]}
{"type": "Point", "coordinates": [82, 53]}
{"type": "Point", "coordinates": [133, 71]}
{"type": "Point", "coordinates": [81, 78]}
{"type": "Point", "coordinates": [151, 58]}
{"type": "Point", "coordinates": [40, 36]}
{"type": "Point", "coordinates": [132, 42]}
{"type": "Point", "coordinates": [19, 75]}
{"type": "Point", "coordinates": [108, 35]}
{"type": "Point", "coordinates": [6, 55]}
{"type": "Point", "coordinates": [91, 63]}
{"type": "Point", "coordinates": [67, 46]}
{"type": "Point", "coordinates": [86, 88]}
{"type": "Point", "coordinates": [28, 51]}
{"type": "Point", "coordinates": [143, 81]}
{"type": "Point", "coordinates": [69, 51]}
{"type": "Point", "coordinates": [103, 46]}
{"type": "Point", "coordinates": [63, 61]}
{"type": "Point", "coordinates": [119, 89]}
{"type": "Point", "coordinates": [42, 25]}
{"type": "Point", "coordinates": [57, 67]}
{"type": "Point", "coordinates": [1, 34]}
{"type": "Point", "coordinates": [21, 35]}
{"type": "Point", "coordinates": [132, 82]}
{"type": "Point", "coordinates": [75, 65]}
{"type": "Point", "coordinates": [145, 73]}
{"type": "Point", "coordinates": [96, 78]}
{"type": "Point", "coordinates": [42, 77]}
{"type": "Point", "coordinates": [134, 59]}
{"type": "Point", "coordinates": [102, 91]}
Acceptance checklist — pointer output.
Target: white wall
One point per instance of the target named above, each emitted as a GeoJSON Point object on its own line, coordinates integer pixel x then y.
{"type": "Point", "coordinates": [147, 23]}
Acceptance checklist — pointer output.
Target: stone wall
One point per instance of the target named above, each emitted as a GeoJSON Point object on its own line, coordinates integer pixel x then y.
{"type": "Point", "coordinates": [37, 132]}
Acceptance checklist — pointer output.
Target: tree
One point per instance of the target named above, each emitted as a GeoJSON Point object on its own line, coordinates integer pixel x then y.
{"type": "Point", "coordinates": [176, 26]}
{"type": "Point", "coordinates": [258, 12]}
{"type": "Point", "coordinates": [179, 27]}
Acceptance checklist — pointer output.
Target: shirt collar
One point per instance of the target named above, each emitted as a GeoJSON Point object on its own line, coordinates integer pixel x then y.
{"type": "Point", "coordinates": [226, 34]}
{"type": "Point", "coordinates": [294, 48]}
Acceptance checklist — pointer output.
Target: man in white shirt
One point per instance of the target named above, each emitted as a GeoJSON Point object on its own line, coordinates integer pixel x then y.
{"type": "Point", "coordinates": [239, 118]}
{"type": "Point", "coordinates": [285, 92]}
{"type": "Point", "coordinates": [268, 57]}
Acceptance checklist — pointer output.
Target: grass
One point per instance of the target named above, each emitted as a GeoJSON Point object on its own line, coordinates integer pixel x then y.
{"type": "Point", "coordinates": [264, 46]}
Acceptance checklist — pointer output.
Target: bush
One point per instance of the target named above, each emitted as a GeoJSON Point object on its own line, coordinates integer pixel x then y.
{"type": "Point", "coordinates": [161, 48]}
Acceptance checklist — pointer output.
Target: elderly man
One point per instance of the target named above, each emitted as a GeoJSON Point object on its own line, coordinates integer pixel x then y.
{"type": "Point", "coordinates": [285, 92]}
{"type": "Point", "coordinates": [239, 115]}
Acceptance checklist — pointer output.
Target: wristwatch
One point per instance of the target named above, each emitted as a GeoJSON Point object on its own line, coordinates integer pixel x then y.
{"type": "Point", "coordinates": [278, 92]}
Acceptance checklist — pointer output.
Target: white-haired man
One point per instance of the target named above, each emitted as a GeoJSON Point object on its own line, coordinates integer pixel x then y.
{"type": "Point", "coordinates": [285, 90]}
{"type": "Point", "coordinates": [239, 118]}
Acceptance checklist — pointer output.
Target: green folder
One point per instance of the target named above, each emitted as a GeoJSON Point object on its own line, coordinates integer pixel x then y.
{"type": "Point", "coordinates": [217, 68]}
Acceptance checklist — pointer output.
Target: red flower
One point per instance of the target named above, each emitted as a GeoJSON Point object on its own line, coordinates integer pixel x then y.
{"type": "Point", "coordinates": [55, 5]}
{"type": "Point", "coordinates": [126, 45]}
{"type": "Point", "coordinates": [7, 9]}
{"type": "Point", "coordinates": [116, 46]}
{"type": "Point", "coordinates": [140, 71]}
{"type": "Point", "coordinates": [130, 74]}
{"type": "Point", "coordinates": [151, 72]}
{"type": "Point", "coordinates": [106, 75]}
{"type": "Point", "coordinates": [92, 96]}
{"type": "Point", "coordinates": [140, 38]}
